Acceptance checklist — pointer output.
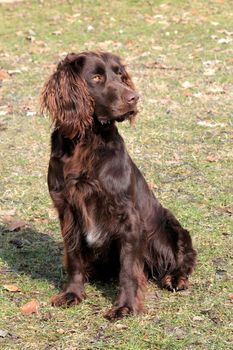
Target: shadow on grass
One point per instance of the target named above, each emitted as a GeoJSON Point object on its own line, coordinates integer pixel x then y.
{"type": "Point", "coordinates": [38, 255]}
{"type": "Point", "coordinates": [32, 253]}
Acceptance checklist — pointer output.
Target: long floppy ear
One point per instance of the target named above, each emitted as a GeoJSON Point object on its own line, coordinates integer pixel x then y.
{"type": "Point", "coordinates": [66, 99]}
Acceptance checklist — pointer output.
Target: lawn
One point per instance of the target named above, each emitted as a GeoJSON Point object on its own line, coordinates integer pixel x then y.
{"type": "Point", "coordinates": [180, 54]}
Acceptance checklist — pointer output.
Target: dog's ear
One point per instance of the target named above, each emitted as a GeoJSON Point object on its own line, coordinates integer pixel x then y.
{"type": "Point", "coordinates": [66, 99]}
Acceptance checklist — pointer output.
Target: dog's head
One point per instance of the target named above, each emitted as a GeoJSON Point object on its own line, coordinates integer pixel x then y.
{"type": "Point", "coordinates": [89, 88]}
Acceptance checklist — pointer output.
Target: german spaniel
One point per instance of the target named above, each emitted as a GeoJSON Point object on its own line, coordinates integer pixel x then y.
{"type": "Point", "coordinates": [111, 222]}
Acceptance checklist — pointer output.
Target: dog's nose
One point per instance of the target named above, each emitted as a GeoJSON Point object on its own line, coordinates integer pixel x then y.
{"type": "Point", "coordinates": [131, 97]}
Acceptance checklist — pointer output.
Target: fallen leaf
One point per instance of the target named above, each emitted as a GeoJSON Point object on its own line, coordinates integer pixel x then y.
{"type": "Point", "coordinates": [175, 46]}
{"type": "Point", "coordinates": [210, 72]}
{"type": "Point", "coordinates": [198, 94]}
{"type": "Point", "coordinates": [216, 89]}
{"type": "Point", "coordinates": [40, 43]}
{"type": "Point", "coordinates": [2, 126]}
{"type": "Point", "coordinates": [224, 41]}
{"type": "Point", "coordinates": [230, 296]}
{"type": "Point", "coordinates": [187, 93]}
{"type": "Point", "coordinates": [158, 48]}
{"type": "Point", "coordinates": [187, 85]}
{"type": "Point", "coordinates": [121, 326]}
{"type": "Point", "coordinates": [4, 74]}
{"type": "Point", "coordinates": [3, 333]}
{"type": "Point", "coordinates": [60, 331]}
{"type": "Point", "coordinates": [32, 307]}
{"type": "Point", "coordinates": [156, 319]}
{"type": "Point", "coordinates": [152, 185]}
{"type": "Point", "coordinates": [16, 225]}
{"type": "Point", "coordinates": [159, 65]}
{"type": "Point", "coordinates": [198, 318]}
{"type": "Point", "coordinates": [31, 32]}
{"type": "Point", "coordinates": [226, 32]}
{"type": "Point", "coordinates": [57, 32]}
{"type": "Point", "coordinates": [78, 15]}
{"type": "Point", "coordinates": [210, 124]}
{"type": "Point", "coordinates": [30, 114]}
{"type": "Point", "coordinates": [11, 288]}
{"type": "Point", "coordinates": [211, 63]}
{"type": "Point", "coordinates": [212, 158]}
{"type": "Point", "coordinates": [226, 210]}
{"type": "Point", "coordinates": [14, 71]}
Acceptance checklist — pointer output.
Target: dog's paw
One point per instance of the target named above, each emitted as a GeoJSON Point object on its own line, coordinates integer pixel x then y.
{"type": "Point", "coordinates": [182, 283]}
{"type": "Point", "coordinates": [66, 299]}
{"type": "Point", "coordinates": [166, 282]}
{"type": "Point", "coordinates": [174, 284]}
{"type": "Point", "coordinates": [116, 313]}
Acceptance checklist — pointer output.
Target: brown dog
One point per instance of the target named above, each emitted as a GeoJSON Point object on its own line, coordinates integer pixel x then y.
{"type": "Point", "coordinates": [111, 222]}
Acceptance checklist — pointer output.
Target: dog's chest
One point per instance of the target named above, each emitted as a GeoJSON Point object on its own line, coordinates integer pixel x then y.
{"type": "Point", "coordinates": [93, 237]}
{"type": "Point", "coordinates": [96, 237]}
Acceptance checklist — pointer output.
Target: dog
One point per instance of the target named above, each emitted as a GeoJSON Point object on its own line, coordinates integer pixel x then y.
{"type": "Point", "coordinates": [111, 222]}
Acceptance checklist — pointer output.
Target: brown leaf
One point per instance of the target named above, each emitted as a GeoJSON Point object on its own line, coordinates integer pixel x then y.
{"type": "Point", "coordinates": [230, 296]}
{"type": "Point", "coordinates": [60, 331]}
{"type": "Point", "coordinates": [32, 307]}
{"type": "Point", "coordinates": [187, 93]}
{"type": "Point", "coordinates": [16, 225]}
{"type": "Point", "coordinates": [212, 158]}
{"type": "Point", "coordinates": [4, 74]}
{"type": "Point", "coordinates": [2, 126]}
{"type": "Point", "coordinates": [159, 65]}
{"type": "Point", "coordinates": [11, 288]}
{"type": "Point", "coordinates": [152, 185]}
{"type": "Point", "coordinates": [226, 209]}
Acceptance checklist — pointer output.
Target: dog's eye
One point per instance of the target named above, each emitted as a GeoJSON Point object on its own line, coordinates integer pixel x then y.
{"type": "Point", "coordinates": [97, 78]}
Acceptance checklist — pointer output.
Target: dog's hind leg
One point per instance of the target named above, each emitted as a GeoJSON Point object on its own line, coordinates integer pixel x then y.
{"type": "Point", "coordinates": [170, 253]}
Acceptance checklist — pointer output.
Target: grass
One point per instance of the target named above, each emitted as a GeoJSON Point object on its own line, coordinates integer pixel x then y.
{"type": "Point", "coordinates": [180, 54]}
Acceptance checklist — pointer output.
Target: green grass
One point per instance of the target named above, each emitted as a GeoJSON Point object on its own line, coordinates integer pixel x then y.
{"type": "Point", "coordinates": [182, 143]}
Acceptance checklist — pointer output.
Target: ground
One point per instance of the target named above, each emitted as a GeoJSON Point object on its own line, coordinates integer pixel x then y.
{"type": "Point", "coordinates": [180, 54]}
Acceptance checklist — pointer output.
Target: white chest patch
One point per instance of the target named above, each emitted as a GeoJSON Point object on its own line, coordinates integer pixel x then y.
{"type": "Point", "coordinates": [94, 237]}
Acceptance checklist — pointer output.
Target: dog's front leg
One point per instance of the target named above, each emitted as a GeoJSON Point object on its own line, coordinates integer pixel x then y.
{"type": "Point", "coordinates": [132, 282]}
{"type": "Point", "coordinates": [73, 291]}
